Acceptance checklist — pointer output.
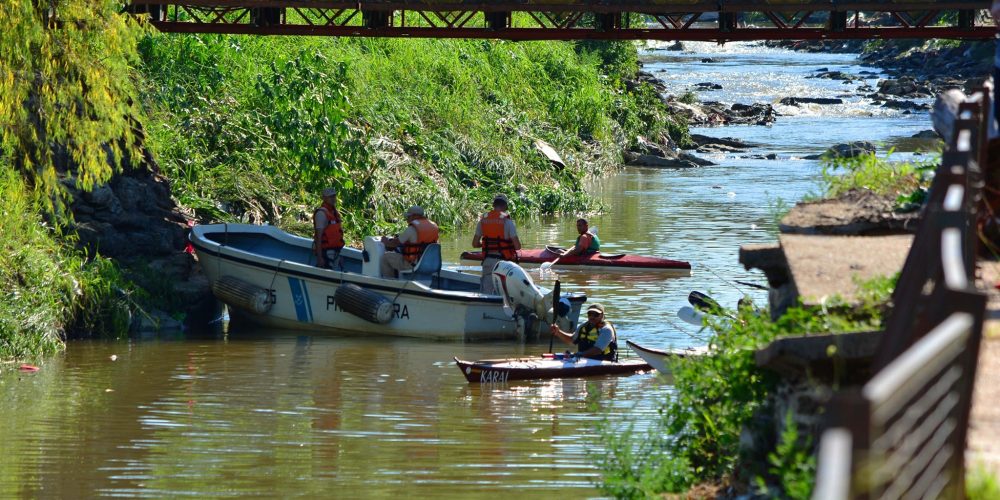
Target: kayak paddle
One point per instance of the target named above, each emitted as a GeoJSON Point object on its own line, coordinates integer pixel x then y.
{"type": "Point", "coordinates": [752, 285]}
{"type": "Point", "coordinates": [707, 304]}
{"type": "Point", "coordinates": [689, 315]}
{"type": "Point", "coordinates": [555, 299]}
{"type": "Point", "coordinates": [547, 266]}
{"type": "Point", "coordinates": [703, 302]}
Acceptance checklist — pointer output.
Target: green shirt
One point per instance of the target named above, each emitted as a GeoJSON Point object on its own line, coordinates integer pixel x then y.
{"type": "Point", "coordinates": [595, 244]}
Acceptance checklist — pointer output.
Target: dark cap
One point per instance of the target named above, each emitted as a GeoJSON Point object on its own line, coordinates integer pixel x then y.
{"type": "Point", "coordinates": [500, 198]}
{"type": "Point", "coordinates": [329, 192]}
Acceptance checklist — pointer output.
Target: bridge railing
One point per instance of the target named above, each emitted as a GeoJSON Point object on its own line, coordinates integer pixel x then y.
{"type": "Point", "coordinates": [903, 433]}
{"type": "Point", "coordinates": [715, 20]}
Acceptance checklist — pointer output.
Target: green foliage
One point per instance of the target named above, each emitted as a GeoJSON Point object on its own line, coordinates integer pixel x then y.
{"type": "Point", "coordinates": [640, 469]}
{"type": "Point", "coordinates": [906, 180]}
{"type": "Point", "coordinates": [65, 93]}
{"type": "Point", "coordinates": [688, 97]}
{"type": "Point", "coordinates": [981, 483]}
{"type": "Point", "coordinates": [618, 59]}
{"type": "Point", "coordinates": [50, 287]}
{"type": "Point", "coordinates": [306, 119]}
{"type": "Point", "coordinates": [251, 128]}
{"type": "Point", "coordinates": [792, 464]}
{"type": "Point", "coordinates": [717, 394]}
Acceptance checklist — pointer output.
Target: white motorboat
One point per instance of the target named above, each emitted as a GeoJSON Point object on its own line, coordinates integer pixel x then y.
{"type": "Point", "coordinates": [270, 277]}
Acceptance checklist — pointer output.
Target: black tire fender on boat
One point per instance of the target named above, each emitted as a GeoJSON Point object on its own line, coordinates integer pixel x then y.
{"type": "Point", "coordinates": [238, 293]}
{"type": "Point", "coordinates": [365, 304]}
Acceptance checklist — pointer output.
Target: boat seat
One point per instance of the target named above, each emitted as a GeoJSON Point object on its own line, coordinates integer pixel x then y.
{"type": "Point", "coordinates": [428, 266]}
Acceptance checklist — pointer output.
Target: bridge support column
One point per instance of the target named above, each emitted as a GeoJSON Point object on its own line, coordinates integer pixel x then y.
{"type": "Point", "coordinates": [727, 22]}
{"type": "Point", "coordinates": [497, 20]}
{"type": "Point", "coordinates": [608, 21]}
{"type": "Point", "coordinates": [267, 16]}
{"type": "Point", "coordinates": [966, 19]}
{"type": "Point", "coordinates": [374, 19]}
{"type": "Point", "coordinates": [838, 21]}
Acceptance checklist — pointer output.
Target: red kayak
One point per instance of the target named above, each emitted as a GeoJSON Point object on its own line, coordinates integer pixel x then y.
{"type": "Point", "coordinates": [545, 367]}
{"type": "Point", "coordinates": [598, 260]}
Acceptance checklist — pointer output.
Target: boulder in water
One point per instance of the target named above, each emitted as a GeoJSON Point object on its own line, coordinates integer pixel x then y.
{"type": "Point", "coordinates": [846, 150]}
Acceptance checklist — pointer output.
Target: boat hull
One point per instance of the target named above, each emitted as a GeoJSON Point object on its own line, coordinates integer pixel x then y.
{"type": "Point", "coordinates": [660, 359]}
{"type": "Point", "coordinates": [505, 370]}
{"type": "Point", "coordinates": [303, 296]}
{"type": "Point", "coordinates": [596, 261]}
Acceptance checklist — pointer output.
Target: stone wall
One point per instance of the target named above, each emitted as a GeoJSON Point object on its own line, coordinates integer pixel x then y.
{"type": "Point", "coordinates": [134, 220]}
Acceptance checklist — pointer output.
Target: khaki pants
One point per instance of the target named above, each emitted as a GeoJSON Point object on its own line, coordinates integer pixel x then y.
{"type": "Point", "coordinates": [333, 261]}
{"type": "Point", "coordinates": [392, 263]}
{"type": "Point", "coordinates": [486, 280]}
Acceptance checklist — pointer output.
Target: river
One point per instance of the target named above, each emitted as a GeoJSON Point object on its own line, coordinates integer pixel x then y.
{"type": "Point", "coordinates": [270, 413]}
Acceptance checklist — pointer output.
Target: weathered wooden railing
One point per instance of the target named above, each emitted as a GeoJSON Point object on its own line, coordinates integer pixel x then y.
{"type": "Point", "coordinates": [902, 435]}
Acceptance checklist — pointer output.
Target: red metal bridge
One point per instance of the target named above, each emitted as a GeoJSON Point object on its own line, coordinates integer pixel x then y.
{"type": "Point", "coordinates": [705, 20]}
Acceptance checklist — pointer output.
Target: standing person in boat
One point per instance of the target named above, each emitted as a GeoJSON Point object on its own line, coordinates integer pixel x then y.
{"type": "Point", "coordinates": [328, 237]}
{"type": "Point", "coordinates": [595, 339]}
{"type": "Point", "coordinates": [587, 243]}
{"type": "Point", "coordinates": [496, 234]}
{"type": "Point", "coordinates": [420, 232]}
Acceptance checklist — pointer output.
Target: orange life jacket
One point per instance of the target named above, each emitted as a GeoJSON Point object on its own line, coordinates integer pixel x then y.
{"type": "Point", "coordinates": [427, 233]}
{"type": "Point", "coordinates": [494, 242]}
{"type": "Point", "coordinates": [332, 236]}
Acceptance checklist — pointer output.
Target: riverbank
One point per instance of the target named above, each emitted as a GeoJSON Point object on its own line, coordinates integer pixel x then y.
{"type": "Point", "coordinates": [441, 123]}
{"type": "Point", "coordinates": [932, 65]}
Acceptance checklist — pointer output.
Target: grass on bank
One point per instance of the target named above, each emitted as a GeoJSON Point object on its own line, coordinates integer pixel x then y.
{"type": "Point", "coordinates": [252, 128]}
{"type": "Point", "coordinates": [697, 438]}
{"type": "Point", "coordinates": [50, 286]}
{"type": "Point", "coordinates": [907, 181]}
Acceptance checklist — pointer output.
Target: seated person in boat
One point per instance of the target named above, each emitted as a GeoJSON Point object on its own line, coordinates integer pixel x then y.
{"type": "Point", "coordinates": [328, 237]}
{"type": "Point", "coordinates": [410, 244]}
{"type": "Point", "coordinates": [595, 339]}
{"type": "Point", "coordinates": [587, 243]}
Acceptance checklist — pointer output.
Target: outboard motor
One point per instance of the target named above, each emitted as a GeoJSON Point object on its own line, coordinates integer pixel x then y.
{"type": "Point", "coordinates": [531, 307]}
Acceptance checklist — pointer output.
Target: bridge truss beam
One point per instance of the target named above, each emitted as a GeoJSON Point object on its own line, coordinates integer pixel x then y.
{"type": "Point", "coordinates": [698, 20]}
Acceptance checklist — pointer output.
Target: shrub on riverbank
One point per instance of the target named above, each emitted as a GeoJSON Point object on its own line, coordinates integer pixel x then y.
{"type": "Point", "coordinates": [50, 287]}
{"type": "Point", "coordinates": [697, 439]}
{"type": "Point", "coordinates": [67, 112]}
{"type": "Point", "coordinates": [253, 128]}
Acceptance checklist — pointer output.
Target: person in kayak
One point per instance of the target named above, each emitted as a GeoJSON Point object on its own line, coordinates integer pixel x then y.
{"type": "Point", "coordinates": [420, 232]}
{"type": "Point", "coordinates": [328, 237]}
{"type": "Point", "coordinates": [496, 234]}
{"type": "Point", "coordinates": [587, 243]}
{"type": "Point", "coordinates": [595, 339]}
